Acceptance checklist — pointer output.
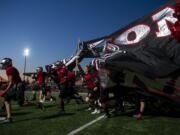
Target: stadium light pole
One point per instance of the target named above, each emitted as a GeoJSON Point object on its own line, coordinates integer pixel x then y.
{"type": "Point", "coordinates": [26, 54]}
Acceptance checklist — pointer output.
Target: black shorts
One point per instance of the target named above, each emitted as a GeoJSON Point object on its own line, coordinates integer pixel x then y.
{"type": "Point", "coordinates": [16, 93]}
{"type": "Point", "coordinates": [93, 94]}
{"type": "Point", "coordinates": [38, 87]}
{"type": "Point", "coordinates": [104, 95]}
{"type": "Point", "coordinates": [141, 96]}
{"type": "Point", "coordinates": [63, 90]}
{"type": "Point", "coordinates": [35, 87]}
{"type": "Point", "coordinates": [11, 94]}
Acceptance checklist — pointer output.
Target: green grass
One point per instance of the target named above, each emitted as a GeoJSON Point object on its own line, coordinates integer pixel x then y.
{"type": "Point", "coordinates": [124, 125]}
{"type": "Point", "coordinates": [32, 121]}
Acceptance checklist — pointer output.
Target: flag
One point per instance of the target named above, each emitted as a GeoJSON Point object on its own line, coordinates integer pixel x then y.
{"type": "Point", "coordinates": [149, 46]}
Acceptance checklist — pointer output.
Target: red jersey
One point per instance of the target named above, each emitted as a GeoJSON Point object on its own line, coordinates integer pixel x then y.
{"type": "Point", "coordinates": [40, 77]}
{"type": "Point", "coordinates": [71, 78]}
{"type": "Point", "coordinates": [62, 75]}
{"type": "Point", "coordinates": [12, 71]}
{"type": "Point", "coordinates": [91, 80]}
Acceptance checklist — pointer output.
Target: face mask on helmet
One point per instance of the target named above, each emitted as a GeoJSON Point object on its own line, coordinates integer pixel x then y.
{"type": "Point", "coordinates": [1, 66]}
{"type": "Point", "coordinates": [39, 69]}
{"type": "Point", "coordinates": [48, 68]}
{"type": "Point", "coordinates": [59, 64]}
{"type": "Point", "coordinates": [6, 62]}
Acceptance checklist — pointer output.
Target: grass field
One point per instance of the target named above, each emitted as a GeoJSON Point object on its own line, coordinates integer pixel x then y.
{"type": "Point", "coordinates": [32, 121]}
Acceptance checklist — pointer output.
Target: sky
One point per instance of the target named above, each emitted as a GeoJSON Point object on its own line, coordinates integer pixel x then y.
{"type": "Point", "coordinates": [51, 28]}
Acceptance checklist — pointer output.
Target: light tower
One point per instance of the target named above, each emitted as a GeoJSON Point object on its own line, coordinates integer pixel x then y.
{"type": "Point", "coordinates": [26, 54]}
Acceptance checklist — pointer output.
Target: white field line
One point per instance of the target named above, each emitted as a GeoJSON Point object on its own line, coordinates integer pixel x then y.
{"type": "Point", "coordinates": [86, 125]}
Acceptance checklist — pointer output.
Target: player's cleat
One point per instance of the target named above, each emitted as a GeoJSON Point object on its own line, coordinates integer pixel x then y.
{"type": "Point", "coordinates": [107, 116]}
{"type": "Point", "coordinates": [114, 112]}
{"type": "Point", "coordinates": [6, 121]}
{"type": "Point", "coordinates": [89, 109]}
{"type": "Point", "coordinates": [96, 111]}
{"type": "Point", "coordinates": [53, 98]}
{"type": "Point", "coordinates": [2, 118]}
{"type": "Point", "coordinates": [40, 105]}
{"type": "Point", "coordinates": [99, 103]}
{"type": "Point", "coordinates": [138, 116]}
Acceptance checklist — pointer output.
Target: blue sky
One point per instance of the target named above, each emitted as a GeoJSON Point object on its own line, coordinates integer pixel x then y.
{"type": "Point", "coordinates": [51, 28]}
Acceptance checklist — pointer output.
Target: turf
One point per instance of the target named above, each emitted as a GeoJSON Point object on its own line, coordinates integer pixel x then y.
{"type": "Point", "coordinates": [124, 125]}
{"type": "Point", "coordinates": [32, 121]}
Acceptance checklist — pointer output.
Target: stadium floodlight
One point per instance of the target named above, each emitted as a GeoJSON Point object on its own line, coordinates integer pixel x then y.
{"type": "Point", "coordinates": [26, 52]}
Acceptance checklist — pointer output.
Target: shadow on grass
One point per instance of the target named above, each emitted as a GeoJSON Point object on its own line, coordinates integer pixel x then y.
{"type": "Point", "coordinates": [21, 113]}
{"type": "Point", "coordinates": [150, 114]}
{"type": "Point", "coordinates": [56, 116]}
{"type": "Point", "coordinates": [41, 118]}
{"type": "Point", "coordinates": [28, 104]}
{"type": "Point", "coordinates": [84, 108]}
{"type": "Point", "coordinates": [25, 120]}
{"type": "Point", "coordinates": [50, 106]}
{"type": "Point", "coordinates": [162, 114]}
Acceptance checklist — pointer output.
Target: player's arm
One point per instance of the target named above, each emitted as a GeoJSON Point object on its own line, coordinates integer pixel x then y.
{"type": "Point", "coordinates": [9, 83]}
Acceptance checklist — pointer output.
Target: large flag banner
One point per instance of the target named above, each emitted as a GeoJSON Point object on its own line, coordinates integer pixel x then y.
{"type": "Point", "coordinates": [149, 46]}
